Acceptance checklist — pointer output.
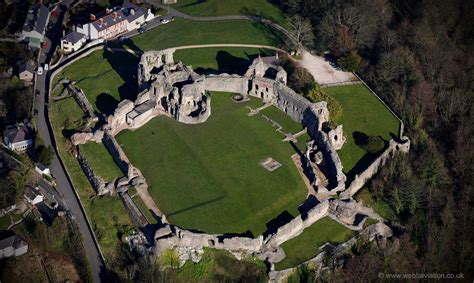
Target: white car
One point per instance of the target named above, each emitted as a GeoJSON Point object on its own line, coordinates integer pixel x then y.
{"type": "Point", "coordinates": [46, 67]}
{"type": "Point", "coordinates": [164, 21]}
{"type": "Point", "coordinates": [39, 72]}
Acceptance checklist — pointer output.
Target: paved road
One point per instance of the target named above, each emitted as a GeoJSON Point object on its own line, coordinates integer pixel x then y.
{"type": "Point", "coordinates": [57, 168]}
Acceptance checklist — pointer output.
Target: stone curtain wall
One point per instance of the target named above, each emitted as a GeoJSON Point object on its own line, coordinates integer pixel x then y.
{"type": "Point", "coordinates": [360, 179]}
{"type": "Point", "coordinates": [118, 155]}
{"type": "Point", "coordinates": [96, 182]}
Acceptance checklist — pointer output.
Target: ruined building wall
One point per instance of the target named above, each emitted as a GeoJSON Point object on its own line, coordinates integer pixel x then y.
{"type": "Point", "coordinates": [360, 179]}
{"type": "Point", "coordinates": [226, 83]}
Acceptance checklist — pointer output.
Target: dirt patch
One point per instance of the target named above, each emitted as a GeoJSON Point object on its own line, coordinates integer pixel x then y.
{"type": "Point", "coordinates": [322, 71]}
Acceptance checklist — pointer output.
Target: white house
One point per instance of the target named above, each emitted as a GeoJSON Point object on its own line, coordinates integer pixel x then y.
{"type": "Point", "coordinates": [12, 246]}
{"type": "Point", "coordinates": [18, 138]}
{"type": "Point", "coordinates": [35, 25]}
{"type": "Point", "coordinates": [73, 41]}
{"type": "Point", "coordinates": [117, 21]}
{"type": "Point", "coordinates": [33, 196]}
{"type": "Point", "coordinates": [42, 169]}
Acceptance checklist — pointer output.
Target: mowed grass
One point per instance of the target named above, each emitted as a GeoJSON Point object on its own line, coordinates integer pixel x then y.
{"type": "Point", "coordinates": [307, 244]}
{"type": "Point", "coordinates": [101, 161]}
{"type": "Point", "coordinates": [287, 124]}
{"type": "Point", "coordinates": [261, 8]}
{"type": "Point", "coordinates": [362, 112]}
{"type": "Point", "coordinates": [107, 215]}
{"type": "Point", "coordinates": [208, 176]}
{"type": "Point", "coordinates": [220, 60]}
{"type": "Point", "coordinates": [188, 32]}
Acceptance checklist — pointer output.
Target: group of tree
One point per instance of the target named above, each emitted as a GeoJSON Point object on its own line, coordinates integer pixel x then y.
{"type": "Point", "coordinates": [417, 55]}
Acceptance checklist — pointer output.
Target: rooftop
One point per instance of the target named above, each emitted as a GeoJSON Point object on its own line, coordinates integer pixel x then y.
{"type": "Point", "coordinates": [36, 19]}
{"type": "Point", "coordinates": [18, 134]}
{"type": "Point", "coordinates": [74, 37]}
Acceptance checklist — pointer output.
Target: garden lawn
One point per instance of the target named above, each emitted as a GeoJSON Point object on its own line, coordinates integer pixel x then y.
{"type": "Point", "coordinates": [261, 8]}
{"type": "Point", "coordinates": [220, 60]}
{"type": "Point", "coordinates": [288, 125]}
{"type": "Point", "coordinates": [307, 244]}
{"type": "Point", "coordinates": [361, 112]}
{"type": "Point", "coordinates": [188, 32]}
{"type": "Point", "coordinates": [107, 215]}
{"type": "Point", "coordinates": [208, 176]}
{"type": "Point", "coordinates": [101, 161]}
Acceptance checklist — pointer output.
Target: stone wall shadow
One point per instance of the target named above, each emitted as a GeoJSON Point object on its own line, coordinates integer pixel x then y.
{"type": "Point", "coordinates": [273, 225]}
{"type": "Point", "coordinates": [106, 103]}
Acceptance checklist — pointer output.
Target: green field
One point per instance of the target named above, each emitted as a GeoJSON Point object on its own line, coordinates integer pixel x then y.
{"type": "Point", "coordinates": [288, 125]}
{"type": "Point", "coordinates": [101, 161]}
{"type": "Point", "coordinates": [187, 32]}
{"type": "Point", "coordinates": [261, 8]}
{"type": "Point", "coordinates": [221, 60]}
{"type": "Point", "coordinates": [208, 176]}
{"type": "Point", "coordinates": [307, 244]}
{"type": "Point", "coordinates": [362, 112]}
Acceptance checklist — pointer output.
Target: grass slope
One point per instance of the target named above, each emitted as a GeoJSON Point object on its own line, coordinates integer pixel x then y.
{"type": "Point", "coordinates": [187, 32]}
{"type": "Point", "coordinates": [362, 112]}
{"type": "Point", "coordinates": [261, 8]}
{"type": "Point", "coordinates": [306, 245]}
{"type": "Point", "coordinates": [108, 216]}
{"type": "Point", "coordinates": [222, 60]}
{"type": "Point", "coordinates": [208, 176]}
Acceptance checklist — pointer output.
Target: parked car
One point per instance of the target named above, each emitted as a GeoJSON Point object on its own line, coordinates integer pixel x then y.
{"type": "Point", "coordinates": [46, 67]}
{"type": "Point", "coordinates": [141, 30]}
{"type": "Point", "coordinates": [44, 45]}
{"type": "Point", "coordinates": [164, 21]}
{"type": "Point", "coordinates": [39, 71]}
{"type": "Point", "coordinates": [35, 112]}
{"type": "Point", "coordinates": [37, 92]}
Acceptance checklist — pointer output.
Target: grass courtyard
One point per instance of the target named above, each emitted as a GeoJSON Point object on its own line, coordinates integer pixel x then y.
{"type": "Point", "coordinates": [362, 112]}
{"type": "Point", "coordinates": [307, 244]}
{"type": "Point", "coordinates": [208, 176]}
{"type": "Point", "coordinates": [261, 8]}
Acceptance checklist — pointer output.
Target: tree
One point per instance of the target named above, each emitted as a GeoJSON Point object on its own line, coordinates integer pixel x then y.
{"type": "Point", "coordinates": [374, 144]}
{"type": "Point", "coordinates": [45, 154]}
{"type": "Point", "coordinates": [317, 94]}
{"type": "Point", "coordinates": [299, 79]}
{"type": "Point", "coordinates": [301, 30]}
{"type": "Point", "coordinates": [351, 61]}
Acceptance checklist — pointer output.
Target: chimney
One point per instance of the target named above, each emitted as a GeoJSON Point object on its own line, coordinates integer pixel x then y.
{"type": "Point", "coordinates": [101, 21]}
{"type": "Point", "coordinates": [107, 11]}
{"type": "Point", "coordinates": [132, 11]}
{"type": "Point", "coordinates": [114, 15]}
{"type": "Point", "coordinates": [92, 17]}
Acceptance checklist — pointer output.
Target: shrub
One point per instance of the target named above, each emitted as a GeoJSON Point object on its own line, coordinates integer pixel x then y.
{"type": "Point", "coordinates": [374, 144]}
{"type": "Point", "coordinates": [169, 258]}
{"type": "Point", "coordinates": [351, 61]}
{"type": "Point", "coordinates": [317, 94]}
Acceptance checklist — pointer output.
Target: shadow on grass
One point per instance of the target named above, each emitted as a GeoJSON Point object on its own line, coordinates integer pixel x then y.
{"type": "Point", "coordinates": [201, 204]}
{"type": "Point", "coordinates": [361, 139]}
{"type": "Point", "coordinates": [125, 65]}
{"type": "Point", "coordinates": [273, 225]}
{"type": "Point", "coordinates": [197, 2]}
{"type": "Point", "coordinates": [230, 64]}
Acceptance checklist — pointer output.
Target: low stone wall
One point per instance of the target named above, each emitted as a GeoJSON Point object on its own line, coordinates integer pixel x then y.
{"type": "Point", "coordinates": [119, 156]}
{"type": "Point", "coordinates": [97, 183]}
{"type": "Point", "coordinates": [361, 179]}
{"type": "Point", "coordinates": [227, 83]}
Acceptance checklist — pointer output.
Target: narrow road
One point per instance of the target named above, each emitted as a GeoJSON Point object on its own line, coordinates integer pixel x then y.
{"type": "Point", "coordinates": [57, 167]}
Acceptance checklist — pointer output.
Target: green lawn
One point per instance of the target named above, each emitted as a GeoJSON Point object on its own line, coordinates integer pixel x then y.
{"type": "Point", "coordinates": [362, 112]}
{"type": "Point", "coordinates": [261, 8]}
{"type": "Point", "coordinates": [222, 59]}
{"type": "Point", "coordinates": [101, 161]}
{"type": "Point", "coordinates": [187, 32]}
{"type": "Point", "coordinates": [107, 215]}
{"type": "Point", "coordinates": [307, 244]}
{"type": "Point", "coordinates": [208, 176]}
{"type": "Point", "coordinates": [288, 125]}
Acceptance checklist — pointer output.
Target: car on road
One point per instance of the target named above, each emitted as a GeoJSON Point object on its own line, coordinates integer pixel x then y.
{"type": "Point", "coordinates": [46, 67]}
{"type": "Point", "coordinates": [44, 45]}
{"type": "Point", "coordinates": [122, 38]}
{"type": "Point", "coordinates": [164, 21]}
{"type": "Point", "coordinates": [37, 92]}
{"type": "Point", "coordinates": [141, 30]}
{"type": "Point", "coordinates": [39, 71]}
{"type": "Point", "coordinates": [35, 112]}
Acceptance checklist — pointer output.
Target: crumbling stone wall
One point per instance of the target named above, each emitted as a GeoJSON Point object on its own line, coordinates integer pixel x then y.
{"type": "Point", "coordinates": [119, 156]}
{"type": "Point", "coordinates": [362, 178]}
{"type": "Point", "coordinates": [97, 183]}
